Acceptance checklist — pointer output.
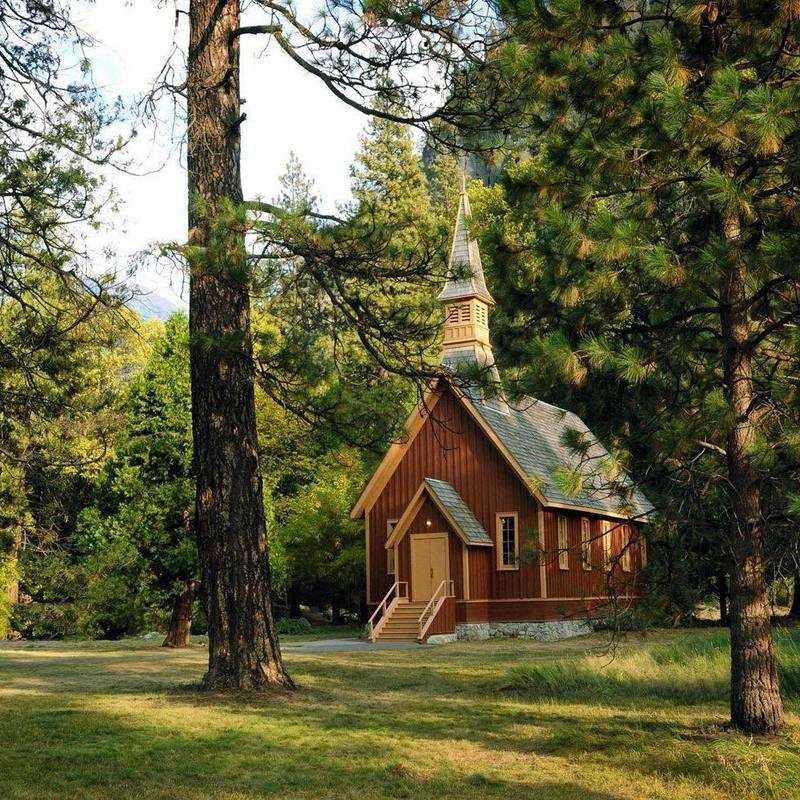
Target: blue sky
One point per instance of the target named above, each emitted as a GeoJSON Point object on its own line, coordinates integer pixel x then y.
{"type": "Point", "coordinates": [286, 110]}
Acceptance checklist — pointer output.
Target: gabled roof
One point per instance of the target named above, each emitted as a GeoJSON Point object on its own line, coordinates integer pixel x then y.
{"type": "Point", "coordinates": [449, 500]}
{"type": "Point", "coordinates": [452, 508]}
{"type": "Point", "coordinates": [530, 436]}
{"type": "Point", "coordinates": [465, 272]}
{"type": "Point", "coordinates": [534, 435]}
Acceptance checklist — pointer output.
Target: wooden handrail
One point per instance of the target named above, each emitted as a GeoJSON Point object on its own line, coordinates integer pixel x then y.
{"type": "Point", "coordinates": [385, 606]}
{"type": "Point", "coordinates": [434, 604]}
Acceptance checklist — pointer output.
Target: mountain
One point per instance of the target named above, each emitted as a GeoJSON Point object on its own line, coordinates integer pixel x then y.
{"type": "Point", "coordinates": [154, 306]}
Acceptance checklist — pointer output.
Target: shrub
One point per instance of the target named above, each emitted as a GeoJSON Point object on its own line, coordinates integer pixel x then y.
{"type": "Point", "coordinates": [45, 620]}
{"type": "Point", "coordinates": [289, 626]}
{"type": "Point", "coordinates": [110, 608]}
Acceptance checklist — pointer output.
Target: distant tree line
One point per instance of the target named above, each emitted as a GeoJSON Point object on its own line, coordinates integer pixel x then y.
{"type": "Point", "coordinates": [109, 548]}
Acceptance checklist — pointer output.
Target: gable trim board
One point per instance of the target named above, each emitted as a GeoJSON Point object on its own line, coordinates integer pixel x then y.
{"type": "Point", "coordinates": [421, 413]}
{"type": "Point", "coordinates": [476, 537]}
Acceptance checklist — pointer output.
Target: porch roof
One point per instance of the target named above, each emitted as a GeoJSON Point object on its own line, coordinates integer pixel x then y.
{"type": "Point", "coordinates": [453, 508]}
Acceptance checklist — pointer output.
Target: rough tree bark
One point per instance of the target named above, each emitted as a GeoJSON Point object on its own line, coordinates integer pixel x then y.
{"type": "Point", "coordinates": [180, 623]}
{"type": "Point", "coordinates": [755, 698]}
{"type": "Point", "coordinates": [229, 517]}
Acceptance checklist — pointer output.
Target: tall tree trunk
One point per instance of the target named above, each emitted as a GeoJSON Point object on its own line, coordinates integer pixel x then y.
{"type": "Point", "coordinates": [230, 523]}
{"type": "Point", "coordinates": [755, 699]}
{"type": "Point", "coordinates": [794, 611]}
{"type": "Point", "coordinates": [180, 623]}
{"type": "Point", "coordinates": [722, 593]}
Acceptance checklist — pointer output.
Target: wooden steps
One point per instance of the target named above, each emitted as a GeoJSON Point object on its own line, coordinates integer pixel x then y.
{"type": "Point", "coordinates": [403, 624]}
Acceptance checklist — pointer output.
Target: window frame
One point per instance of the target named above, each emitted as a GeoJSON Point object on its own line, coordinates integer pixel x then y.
{"type": "Point", "coordinates": [390, 524]}
{"type": "Point", "coordinates": [627, 559]}
{"type": "Point", "coordinates": [562, 533]}
{"type": "Point", "coordinates": [586, 544]}
{"type": "Point", "coordinates": [606, 527]}
{"type": "Point", "coordinates": [499, 517]}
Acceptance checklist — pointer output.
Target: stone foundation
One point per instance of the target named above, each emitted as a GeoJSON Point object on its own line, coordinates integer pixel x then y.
{"type": "Point", "coordinates": [441, 638]}
{"type": "Point", "coordinates": [539, 631]}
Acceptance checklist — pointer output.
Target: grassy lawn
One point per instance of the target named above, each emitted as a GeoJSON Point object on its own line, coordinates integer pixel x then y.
{"type": "Point", "coordinates": [506, 719]}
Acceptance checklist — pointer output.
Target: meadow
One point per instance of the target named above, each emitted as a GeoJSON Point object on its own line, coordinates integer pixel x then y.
{"type": "Point", "coordinates": [501, 719]}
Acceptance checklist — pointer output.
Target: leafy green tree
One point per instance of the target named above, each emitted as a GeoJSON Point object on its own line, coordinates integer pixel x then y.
{"type": "Point", "coordinates": [317, 379]}
{"type": "Point", "coordinates": [321, 547]}
{"type": "Point", "coordinates": [55, 440]}
{"type": "Point", "coordinates": [648, 231]}
{"type": "Point", "coordinates": [136, 537]}
{"type": "Point", "coordinates": [52, 134]}
{"type": "Point", "coordinates": [389, 184]}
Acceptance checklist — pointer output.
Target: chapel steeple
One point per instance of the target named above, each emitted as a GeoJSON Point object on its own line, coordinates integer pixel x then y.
{"type": "Point", "coordinates": [465, 297]}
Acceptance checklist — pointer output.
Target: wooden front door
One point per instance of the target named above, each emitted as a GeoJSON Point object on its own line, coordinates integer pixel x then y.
{"type": "Point", "coordinates": [429, 564]}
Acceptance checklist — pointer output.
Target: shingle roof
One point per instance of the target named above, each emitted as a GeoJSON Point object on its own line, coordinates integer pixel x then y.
{"type": "Point", "coordinates": [465, 272]}
{"type": "Point", "coordinates": [472, 531]}
{"type": "Point", "coordinates": [534, 433]}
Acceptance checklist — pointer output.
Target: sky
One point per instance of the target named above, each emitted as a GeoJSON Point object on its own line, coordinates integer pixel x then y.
{"type": "Point", "coordinates": [287, 110]}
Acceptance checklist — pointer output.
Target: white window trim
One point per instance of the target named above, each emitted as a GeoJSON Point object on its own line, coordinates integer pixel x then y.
{"type": "Point", "coordinates": [563, 541]}
{"type": "Point", "coordinates": [586, 544]}
{"type": "Point", "coordinates": [606, 527]}
{"type": "Point", "coordinates": [499, 540]}
{"type": "Point", "coordinates": [390, 523]}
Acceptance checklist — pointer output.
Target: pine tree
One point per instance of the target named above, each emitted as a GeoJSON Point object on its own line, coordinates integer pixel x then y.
{"type": "Point", "coordinates": [651, 238]}
{"type": "Point", "coordinates": [388, 180]}
{"type": "Point", "coordinates": [143, 500]}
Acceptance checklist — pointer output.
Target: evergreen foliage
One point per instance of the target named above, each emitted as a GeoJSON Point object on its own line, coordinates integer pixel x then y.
{"type": "Point", "coordinates": [647, 235]}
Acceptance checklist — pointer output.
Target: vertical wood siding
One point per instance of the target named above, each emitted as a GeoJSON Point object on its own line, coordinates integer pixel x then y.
{"type": "Point", "coordinates": [445, 620]}
{"type": "Point", "coordinates": [575, 581]}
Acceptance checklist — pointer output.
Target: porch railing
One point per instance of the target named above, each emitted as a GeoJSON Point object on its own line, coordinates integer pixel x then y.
{"type": "Point", "coordinates": [397, 591]}
{"type": "Point", "coordinates": [446, 589]}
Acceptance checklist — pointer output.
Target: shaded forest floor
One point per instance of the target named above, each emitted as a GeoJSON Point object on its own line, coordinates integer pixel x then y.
{"type": "Point", "coordinates": [507, 719]}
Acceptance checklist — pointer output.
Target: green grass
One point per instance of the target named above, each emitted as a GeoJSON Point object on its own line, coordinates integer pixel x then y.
{"type": "Point", "coordinates": [506, 719]}
{"type": "Point", "coordinates": [692, 669]}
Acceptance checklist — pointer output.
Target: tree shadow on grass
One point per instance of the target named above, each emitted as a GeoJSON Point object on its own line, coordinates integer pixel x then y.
{"type": "Point", "coordinates": [391, 725]}
{"type": "Point", "coordinates": [90, 754]}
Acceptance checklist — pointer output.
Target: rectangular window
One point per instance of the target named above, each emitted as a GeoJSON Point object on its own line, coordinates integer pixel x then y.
{"type": "Point", "coordinates": [465, 315]}
{"type": "Point", "coordinates": [507, 541]}
{"type": "Point", "coordinates": [586, 544]}
{"type": "Point", "coordinates": [390, 567]}
{"type": "Point", "coordinates": [626, 549]}
{"type": "Point", "coordinates": [563, 543]}
{"type": "Point", "coordinates": [605, 526]}
{"type": "Point", "coordinates": [452, 314]}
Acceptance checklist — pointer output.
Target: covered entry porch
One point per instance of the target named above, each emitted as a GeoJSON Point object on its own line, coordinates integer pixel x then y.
{"type": "Point", "coordinates": [431, 542]}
